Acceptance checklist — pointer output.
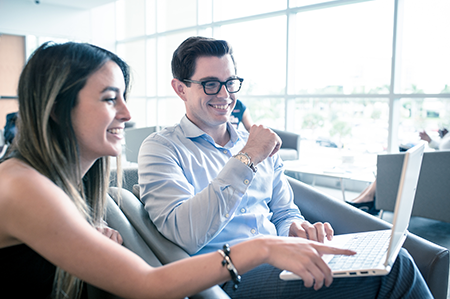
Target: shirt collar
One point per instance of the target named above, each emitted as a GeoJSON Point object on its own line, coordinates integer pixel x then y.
{"type": "Point", "coordinates": [192, 131]}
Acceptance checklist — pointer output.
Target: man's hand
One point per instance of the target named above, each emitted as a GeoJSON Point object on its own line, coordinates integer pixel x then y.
{"type": "Point", "coordinates": [315, 232]}
{"type": "Point", "coordinates": [262, 143]}
{"type": "Point", "coordinates": [111, 233]}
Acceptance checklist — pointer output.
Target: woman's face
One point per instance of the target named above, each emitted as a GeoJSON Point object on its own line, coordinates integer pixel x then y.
{"type": "Point", "coordinates": [99, 116]}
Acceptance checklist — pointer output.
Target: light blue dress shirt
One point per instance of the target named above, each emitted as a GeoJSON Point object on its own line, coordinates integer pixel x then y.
{"type": "Point", "coordinates": [200, 198]}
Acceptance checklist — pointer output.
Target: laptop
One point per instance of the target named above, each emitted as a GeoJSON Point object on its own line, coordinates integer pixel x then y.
{"type": "Point", "coordinates": [377, 250]}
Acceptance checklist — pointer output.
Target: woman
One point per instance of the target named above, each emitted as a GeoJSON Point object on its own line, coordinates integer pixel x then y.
{"type": "Point", "coordinates": [241, 114]}
{"type": "Point", "coordinates": [53, 186]}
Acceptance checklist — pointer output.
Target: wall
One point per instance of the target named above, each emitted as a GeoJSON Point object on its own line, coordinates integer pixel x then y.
{"type": "Point", "coordinates": [26, 18]}
{"type": "Point", "coordinates": [12, 60]}
{"type": "Point", "coordinates": [19, 18]}
{"type": "Point", "coordinates": [23, 17]}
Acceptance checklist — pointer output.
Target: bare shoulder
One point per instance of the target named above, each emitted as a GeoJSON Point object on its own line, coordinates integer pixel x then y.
{"type": "Point", "coordinates": [18, 179]}
{"type": "Point", "coordinates": [24, 194]}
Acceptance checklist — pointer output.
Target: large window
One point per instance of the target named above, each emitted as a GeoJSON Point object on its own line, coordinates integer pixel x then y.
{"type": "Point", "coordinates": [364, 76]}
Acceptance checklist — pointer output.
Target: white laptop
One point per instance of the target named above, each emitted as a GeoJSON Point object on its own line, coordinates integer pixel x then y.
{"type": "Point", "coordinates": [377, 250]}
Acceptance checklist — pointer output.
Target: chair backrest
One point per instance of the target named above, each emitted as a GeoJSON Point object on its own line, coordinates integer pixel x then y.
{"type": "Point", "coordinates": [131, 240]}
{"type": "Point", "coordinates": [165, 250]}
{"type": "Point", "coordinates": [290, 147]}
{"type": "Point", "coordinates": [133, 141]}
{"type": "Point", "coordinates": [433, 189]}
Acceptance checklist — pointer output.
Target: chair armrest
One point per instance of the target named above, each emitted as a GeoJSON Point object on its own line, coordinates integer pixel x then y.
{"type": "Point", "coordinates": [431, 259]}
{"type": "Point", "coordinates": [165, 250]}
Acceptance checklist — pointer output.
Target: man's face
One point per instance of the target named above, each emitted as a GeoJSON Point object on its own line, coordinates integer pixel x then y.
{"type": "Point", "coordinates": [210, 112]}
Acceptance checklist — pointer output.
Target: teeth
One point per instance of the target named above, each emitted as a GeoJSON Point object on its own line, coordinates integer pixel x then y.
{"type": "Point", "coordinates": [115, 131]}
{"type": "Point", "coordinates": [220, 106]}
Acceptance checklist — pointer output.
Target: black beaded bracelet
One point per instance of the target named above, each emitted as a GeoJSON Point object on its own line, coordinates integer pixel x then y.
{"type": "Point", "coordinates": [225, 253]}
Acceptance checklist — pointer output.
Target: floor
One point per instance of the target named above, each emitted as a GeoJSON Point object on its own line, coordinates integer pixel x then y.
{"type": "Point", "coordinates": [437, 232]}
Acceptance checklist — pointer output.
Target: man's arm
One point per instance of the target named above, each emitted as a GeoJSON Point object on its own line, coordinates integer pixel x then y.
{"type": "Point", "coordinates": [189, 200]}
{"type": "Point", "coordinates": [286, 215]}
{"type": "Point", "coordinates": [282, 205]}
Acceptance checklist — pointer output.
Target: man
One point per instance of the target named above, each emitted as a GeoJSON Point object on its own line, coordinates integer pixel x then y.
{"type": "Point", "coordinates": [205, 184]}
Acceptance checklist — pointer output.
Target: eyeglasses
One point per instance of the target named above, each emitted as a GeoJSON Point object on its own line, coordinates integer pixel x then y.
{"type": "Point", "coordinates": [212, 87]}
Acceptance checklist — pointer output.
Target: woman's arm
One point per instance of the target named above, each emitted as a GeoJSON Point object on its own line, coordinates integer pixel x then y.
{"type": "Point", "coordinates": [36, 212]}
{"type": "Point", "coordinates": [247, 120]}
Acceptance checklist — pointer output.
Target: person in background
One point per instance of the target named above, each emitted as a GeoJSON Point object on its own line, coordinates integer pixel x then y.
{"type": "Point", "coordinates": [366, 200]}
{"type": "Point", "coordinates": [442, 144]}
{"type": "Point", "coordinates": [9, 132]}
{"type": "Point", "coordinates": [53, 182]}
{"type": "Point", "coordinates": [204, 184]}
{"type": "Point", "coordinates": [241, 114]}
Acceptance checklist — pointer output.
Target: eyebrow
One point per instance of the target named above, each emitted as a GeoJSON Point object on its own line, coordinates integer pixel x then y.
{"type": "Point", "coordinates": [217, 79]}
{"type": "Point", "coordinates": [110, 88]}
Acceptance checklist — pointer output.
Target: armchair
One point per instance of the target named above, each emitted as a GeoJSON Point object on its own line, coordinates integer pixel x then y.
{"type": "Point", "coordinates": [431, 259]}
{"type": "Point", "coordinates": [433, 189]}
{"type": "Point", "coordinates": [133, 141]}
{"type": "Point", "coordinates": [290, 148]}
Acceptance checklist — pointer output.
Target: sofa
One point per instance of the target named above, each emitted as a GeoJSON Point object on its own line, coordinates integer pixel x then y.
{"type": "Point", "coordinates": [137, 230]}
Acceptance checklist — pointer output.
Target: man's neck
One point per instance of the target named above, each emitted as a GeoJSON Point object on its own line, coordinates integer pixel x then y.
{"type": "Point", "coordinates": [221, 135]}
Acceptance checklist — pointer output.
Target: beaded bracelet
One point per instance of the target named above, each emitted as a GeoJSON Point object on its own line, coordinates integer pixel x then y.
{"type": "Point", "coordinates": [225, 253]}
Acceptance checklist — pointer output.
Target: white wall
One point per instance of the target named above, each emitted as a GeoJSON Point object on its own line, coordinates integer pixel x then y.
{"type": "Point", "coordinates": [24, 17]}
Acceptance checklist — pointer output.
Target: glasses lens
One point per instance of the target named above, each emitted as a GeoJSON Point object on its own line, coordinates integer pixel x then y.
{"type": "Point", "coordinates": [233, 85]}
{"type": "Point", "coordinates": [211, 87]}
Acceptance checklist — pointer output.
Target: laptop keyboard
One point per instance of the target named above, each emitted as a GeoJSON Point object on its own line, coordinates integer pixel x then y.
{"type": "Point", "coordinates": [370, 248]}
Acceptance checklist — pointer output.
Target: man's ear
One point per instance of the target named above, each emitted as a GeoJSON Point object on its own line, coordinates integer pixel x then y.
{"type": "Point", "coordinates": [180, 88]}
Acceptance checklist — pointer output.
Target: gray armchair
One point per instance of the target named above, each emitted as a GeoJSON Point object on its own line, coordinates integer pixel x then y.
{"type": "Point", "coordinates": [431, 259]}
{"type": "Point", "coordinates": [433, 188]}
{"type": "Point", "coordinates": [133, 141]}
{"type": "Point", "coordinates": [290, 147]}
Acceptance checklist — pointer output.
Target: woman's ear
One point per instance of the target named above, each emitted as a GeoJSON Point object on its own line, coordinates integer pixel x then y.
{"type": "Point", "coordinates": [180, 88]}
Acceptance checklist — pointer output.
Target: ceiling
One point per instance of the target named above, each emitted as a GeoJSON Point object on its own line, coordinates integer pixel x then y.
{"type": "Point", "coordinates": [80, 4]}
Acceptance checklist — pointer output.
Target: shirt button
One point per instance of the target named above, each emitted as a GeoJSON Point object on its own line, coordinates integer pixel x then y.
{"type": "Point", "coordinates": [246, 182]}
{"type": "Point", "coordinates": [242, 210]}
{"type": "Point", "coordinates": [253, 231]}
{"type": "Point", "coordinates": [227, 215]}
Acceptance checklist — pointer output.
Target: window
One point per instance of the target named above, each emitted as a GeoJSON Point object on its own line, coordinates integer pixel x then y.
{"type": "Point", "coordinates": [324, 69]}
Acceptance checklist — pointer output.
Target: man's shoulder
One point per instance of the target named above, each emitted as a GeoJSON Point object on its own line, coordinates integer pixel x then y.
{"type": "Point", "coordinates": [166, 133]}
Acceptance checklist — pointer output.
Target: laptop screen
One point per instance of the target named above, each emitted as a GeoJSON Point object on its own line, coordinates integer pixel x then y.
{"type": "Point", "coordinates": [405, 197]}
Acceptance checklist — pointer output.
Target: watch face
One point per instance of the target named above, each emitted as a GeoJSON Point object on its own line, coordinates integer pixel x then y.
{"type": "Point", "coordinates": [243, 159]}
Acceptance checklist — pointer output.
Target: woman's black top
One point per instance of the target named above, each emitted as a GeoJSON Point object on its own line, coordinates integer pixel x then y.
{"type": "Point", "coordinates": [24, 273]}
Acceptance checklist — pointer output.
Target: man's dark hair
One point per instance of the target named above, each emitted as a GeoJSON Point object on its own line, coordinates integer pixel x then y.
{"type": "Point", "coordinates": [185, 56]}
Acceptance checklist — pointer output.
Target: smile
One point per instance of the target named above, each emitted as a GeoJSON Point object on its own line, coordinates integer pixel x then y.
{"type": "Point", "coordinates": [223, 107]}
{"type": "Point", "coordinates": [115, 131]}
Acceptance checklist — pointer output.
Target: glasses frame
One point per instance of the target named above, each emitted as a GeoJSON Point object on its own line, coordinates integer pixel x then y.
{"type": "Point", "coordinates": [203, 83]}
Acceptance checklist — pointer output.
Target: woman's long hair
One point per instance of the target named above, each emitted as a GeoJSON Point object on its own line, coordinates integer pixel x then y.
{"type": "Point", "coordinates": [48, 91]}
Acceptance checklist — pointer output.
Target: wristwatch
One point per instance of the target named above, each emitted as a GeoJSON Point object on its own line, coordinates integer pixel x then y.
{"type": "Point", "coordinates": [245, 158]}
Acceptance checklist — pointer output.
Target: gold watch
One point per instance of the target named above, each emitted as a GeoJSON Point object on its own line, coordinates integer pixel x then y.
{"type": "Point", "coordinates": [245, 158]}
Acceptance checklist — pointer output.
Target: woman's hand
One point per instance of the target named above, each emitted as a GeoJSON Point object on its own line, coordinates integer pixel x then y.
{"type": "Point", "coordinates": [304, 258]}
